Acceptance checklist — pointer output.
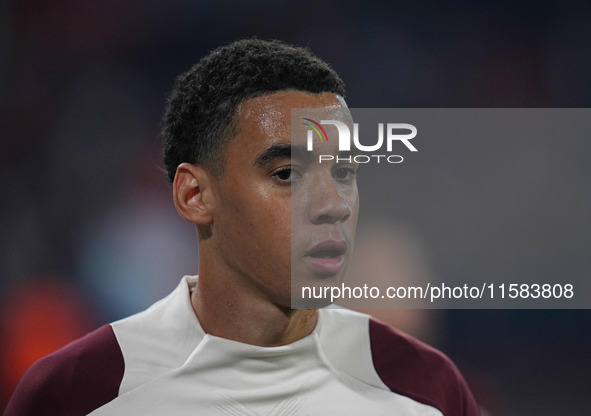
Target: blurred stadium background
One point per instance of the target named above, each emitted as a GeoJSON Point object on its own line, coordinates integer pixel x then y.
{"type": "Point", "coordinates": [89, 233]}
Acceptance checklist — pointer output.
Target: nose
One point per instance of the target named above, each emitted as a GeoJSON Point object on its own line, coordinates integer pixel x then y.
{"type": "Point", "coordinates": [330, 202]}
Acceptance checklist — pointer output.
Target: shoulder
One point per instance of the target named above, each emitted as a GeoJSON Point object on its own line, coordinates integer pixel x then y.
{"type": "Point", "coordinates": [409, 367]}
{"type": "Point", "coordinates": [74, 380]}
{"type": "Point", "coordinates": [389, 359]}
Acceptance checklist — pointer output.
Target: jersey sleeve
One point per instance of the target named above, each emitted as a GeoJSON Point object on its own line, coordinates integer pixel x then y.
{"type": "Point", "coordinates": [73, 381]}
{"type": "Point", "coordinates": [413, 369]}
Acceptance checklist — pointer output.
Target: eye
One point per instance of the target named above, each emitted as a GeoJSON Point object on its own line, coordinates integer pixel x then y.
{"type": "Point", "coordinates": [286, 174]}
{"type": "Point", "coordinates": [345, 173]}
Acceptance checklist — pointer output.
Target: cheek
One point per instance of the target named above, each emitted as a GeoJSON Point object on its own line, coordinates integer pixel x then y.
{"type": "Point", "coordinates": [256, 222]}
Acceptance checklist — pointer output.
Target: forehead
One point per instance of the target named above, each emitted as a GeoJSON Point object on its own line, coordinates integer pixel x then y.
{"type": "Point", "coordinates": [266, 120]}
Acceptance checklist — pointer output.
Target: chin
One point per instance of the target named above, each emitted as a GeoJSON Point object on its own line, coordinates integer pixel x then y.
{"type": "Point", "coordinates": [314, 292]}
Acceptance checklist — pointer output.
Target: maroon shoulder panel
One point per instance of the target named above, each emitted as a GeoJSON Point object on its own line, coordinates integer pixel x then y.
{"type": "Point", "coordinates": [74, 380]}
{"type": "Point", "coordinates": [413, 369]}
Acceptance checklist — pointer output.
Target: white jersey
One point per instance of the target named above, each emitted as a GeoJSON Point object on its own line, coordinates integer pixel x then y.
{"type": "Point", "coordinates": [161, 362]}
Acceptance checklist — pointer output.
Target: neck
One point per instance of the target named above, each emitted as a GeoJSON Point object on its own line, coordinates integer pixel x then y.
{"type": "Point", "coordinates": [229, 310]}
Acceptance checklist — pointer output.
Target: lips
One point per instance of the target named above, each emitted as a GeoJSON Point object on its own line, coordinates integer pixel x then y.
{"type": "Point", "coordinates": [327, 257]}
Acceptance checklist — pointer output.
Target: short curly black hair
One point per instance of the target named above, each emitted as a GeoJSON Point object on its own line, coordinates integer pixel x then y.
{"type": "Point", "coordinates": [197, 124]}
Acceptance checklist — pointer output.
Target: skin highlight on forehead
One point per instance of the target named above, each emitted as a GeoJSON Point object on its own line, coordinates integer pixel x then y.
{"type": "Point", "coordinates": [271, 118]}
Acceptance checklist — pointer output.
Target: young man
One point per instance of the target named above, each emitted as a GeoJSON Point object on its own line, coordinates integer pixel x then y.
{"type": "Point", "coordinates": [228, 342]}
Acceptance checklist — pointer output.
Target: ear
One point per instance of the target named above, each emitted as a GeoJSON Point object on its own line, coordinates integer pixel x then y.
{"type": "Point", "coordinates": [192, 194]}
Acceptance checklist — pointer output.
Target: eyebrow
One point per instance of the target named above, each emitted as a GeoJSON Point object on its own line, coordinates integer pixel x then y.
{"type": "Point", "coordinates": [281, 151]}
